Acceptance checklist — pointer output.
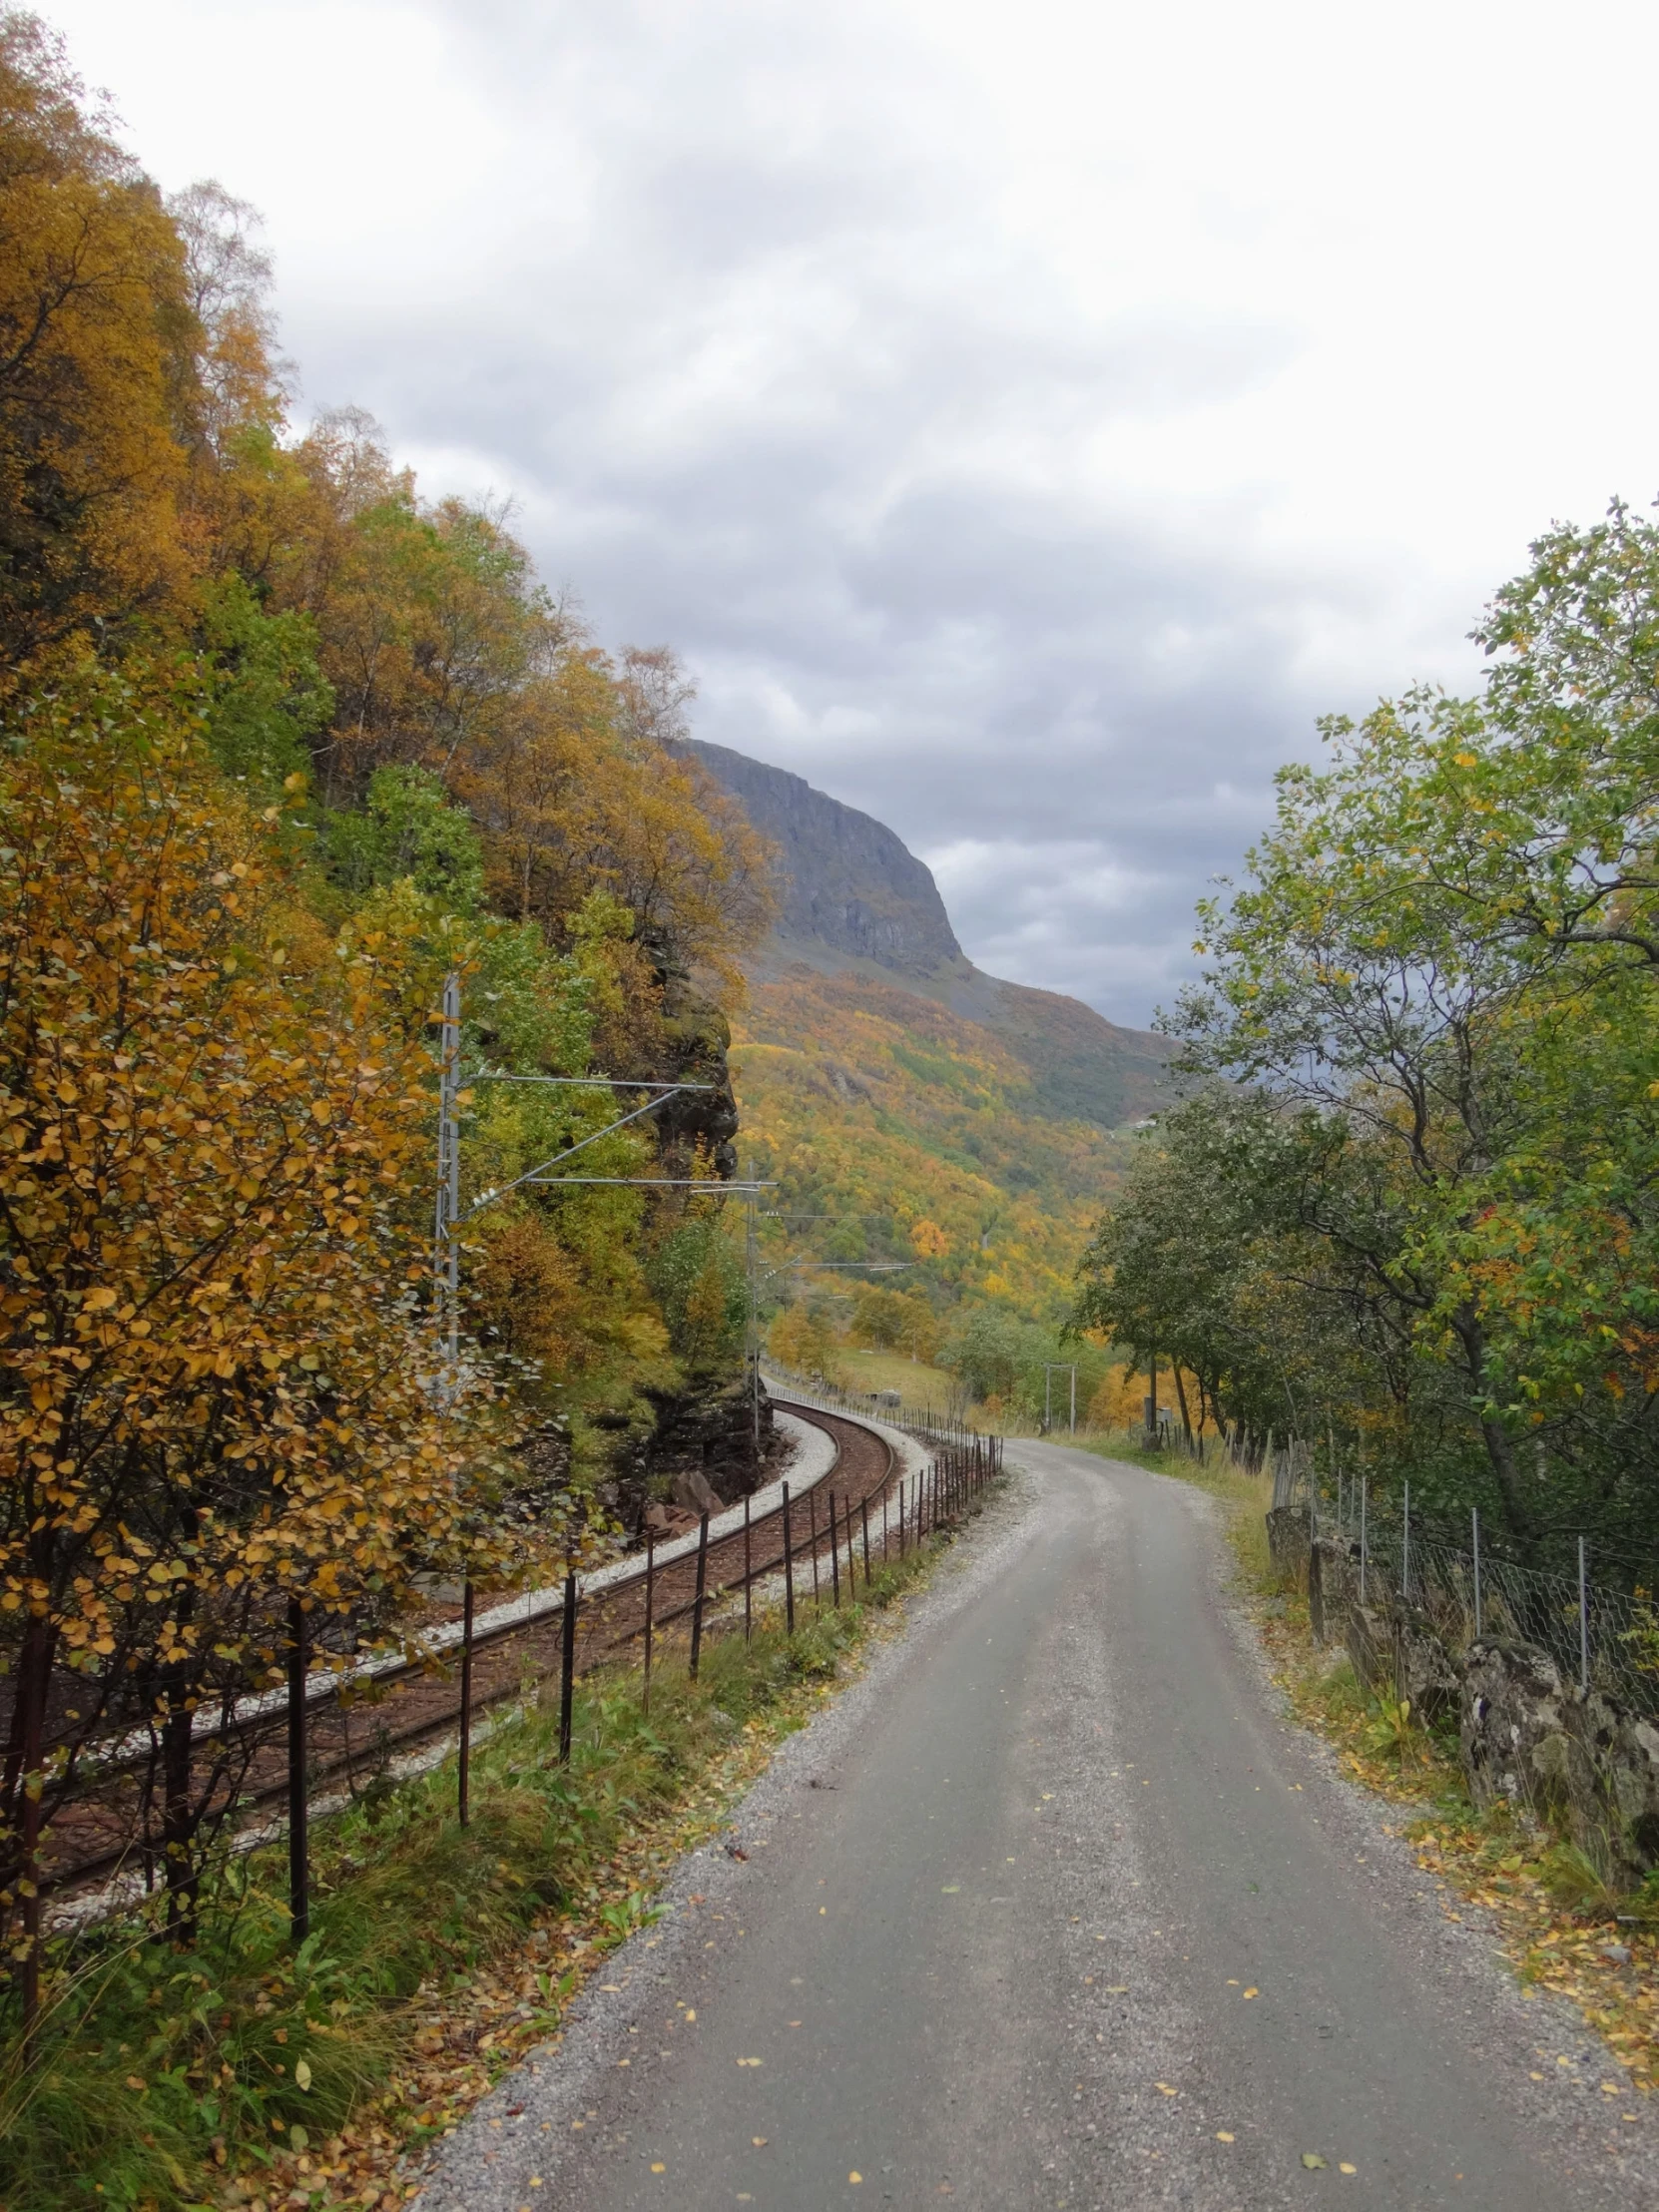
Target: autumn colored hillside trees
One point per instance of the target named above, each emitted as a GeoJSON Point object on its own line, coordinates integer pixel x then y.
{"type": "Point", "coordinates": [281, 744]}
{"type": "Point", "coordinates": [217, 1371]}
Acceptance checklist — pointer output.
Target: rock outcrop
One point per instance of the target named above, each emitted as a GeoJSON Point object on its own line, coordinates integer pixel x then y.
{"type": "Point", "coordinates": [848, 883]}
{"type": "Point", "coordinates": [853, 899]}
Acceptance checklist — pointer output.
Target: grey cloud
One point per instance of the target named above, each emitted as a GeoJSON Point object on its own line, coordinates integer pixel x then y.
{"type": "Point", "coordinates": [771, 383]}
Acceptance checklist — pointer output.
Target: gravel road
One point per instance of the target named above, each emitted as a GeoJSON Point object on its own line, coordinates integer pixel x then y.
{"type": "Point", "coordinates": [1051, 1907]}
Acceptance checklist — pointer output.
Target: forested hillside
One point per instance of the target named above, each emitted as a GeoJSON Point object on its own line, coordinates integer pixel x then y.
{"type": "Point", "coordinates": [915, 1111]}
{"type": "Point", "coordinates": [917, 1131]}
{"type": "Point", "coordinates": [285, 743]}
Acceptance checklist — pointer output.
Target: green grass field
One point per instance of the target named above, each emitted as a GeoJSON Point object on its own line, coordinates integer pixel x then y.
{"type": "Point", "coordinates": [917, 1383]}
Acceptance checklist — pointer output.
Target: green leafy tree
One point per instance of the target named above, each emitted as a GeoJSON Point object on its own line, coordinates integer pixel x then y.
{"type": "Point", "coordinates": [408, 831]}
{"type": "Point", "coordinates": [267, 695]}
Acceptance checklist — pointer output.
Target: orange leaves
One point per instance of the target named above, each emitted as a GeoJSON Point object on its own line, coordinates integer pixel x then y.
{"type": "Point", "coordinates": [91, 281]}
{"type": "Point", "coordinates": [241, 1393]}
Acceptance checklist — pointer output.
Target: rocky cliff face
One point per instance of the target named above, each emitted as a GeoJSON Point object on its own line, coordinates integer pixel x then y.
{"type": "Point", "coordinates": [854, 900]}
{"type": "Point", "coordinates": [848, 884]}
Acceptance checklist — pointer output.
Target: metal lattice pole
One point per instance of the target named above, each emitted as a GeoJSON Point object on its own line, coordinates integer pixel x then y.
{"type": "Point", "coordinates": [447, 1250]}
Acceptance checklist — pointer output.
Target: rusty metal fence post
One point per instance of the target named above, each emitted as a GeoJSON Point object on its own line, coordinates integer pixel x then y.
{"type": "Point", "coordinates": [567, 1671]}
{"type": "Point", "coordinates": [650, 1612]}
{"type": "Point", "coordinates": [697, 1601]}
{"type": "Point", "coordinates": [788, 1566]}
{"type": "Point", "coordinates": [299, 1902]}
{"type": "Point", "coordinates": [463, 1754]}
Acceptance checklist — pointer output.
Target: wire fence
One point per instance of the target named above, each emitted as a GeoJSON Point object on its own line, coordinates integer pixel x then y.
{"type": "Point", "coordinates": [292, 1757]}
{"type": "Point", "coordinates": [1600, 1636]}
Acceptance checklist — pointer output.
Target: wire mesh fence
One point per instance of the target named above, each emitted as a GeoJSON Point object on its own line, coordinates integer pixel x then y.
{"type": "Point", "coordinates": [1600, 1635]}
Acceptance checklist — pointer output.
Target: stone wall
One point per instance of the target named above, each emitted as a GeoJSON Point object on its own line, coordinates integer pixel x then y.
{"type": "Point", "coordinates": [1586, 1764]}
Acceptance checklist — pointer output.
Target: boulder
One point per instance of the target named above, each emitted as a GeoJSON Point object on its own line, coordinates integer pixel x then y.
{"type": "Point", "coordinates": [1621, 1750]}
{"type": "Point", "coordinates": [1424, 1671]}
{"type": "Point", "coordinates": [1515, 1732]}
{"type": "Point", "coordinates": [694, 1491]}
{"type": "Point", "coordinates": [663, 1521]}
{"type": "Point", "coordinates": [1287, 1540]}
{"type": "Point", "coordinates": [1332, 1585]}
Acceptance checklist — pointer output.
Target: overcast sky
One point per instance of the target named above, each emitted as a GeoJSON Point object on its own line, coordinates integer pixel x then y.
{"type": "Point", "coordinates": [1024, 420]}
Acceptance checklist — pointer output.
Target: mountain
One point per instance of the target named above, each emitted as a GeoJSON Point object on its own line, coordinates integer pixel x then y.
{"type": "Point", "coordinates": [907, 1106]}
{"type": "Point", "coordinates": [851, 891]}
{"type": "Point", "coordinates": [856, 901]}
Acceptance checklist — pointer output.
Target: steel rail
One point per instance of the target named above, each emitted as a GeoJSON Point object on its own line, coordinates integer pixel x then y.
{"type": "Point", "coordinates": [439, 1709]}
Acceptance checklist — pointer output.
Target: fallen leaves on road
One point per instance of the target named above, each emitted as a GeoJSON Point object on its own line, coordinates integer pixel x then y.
{"type": "Point", "coordinates": [1223, 2137]}
{"type": "Point", "coordinates": [1312, 2161]}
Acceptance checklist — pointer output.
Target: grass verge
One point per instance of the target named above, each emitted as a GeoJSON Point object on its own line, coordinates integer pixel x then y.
{"type": "Point", "coordinates": [240, 2072]}
{"type": "Point", "coordinates": [1560, 1925]}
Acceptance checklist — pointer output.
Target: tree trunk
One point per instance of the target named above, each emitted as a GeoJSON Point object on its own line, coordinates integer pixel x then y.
{"type": "Point", "coordinates": [1500, 1451]}
{"type": "Point", "coordinates": [177, 1818]}
{"type": "Point", "coordinates": [20, 1804]}
{"type": "Point", "coordinates": [1180, 1400]}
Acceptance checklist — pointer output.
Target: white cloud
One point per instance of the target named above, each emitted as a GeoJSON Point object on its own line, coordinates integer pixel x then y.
{"type": "Point", "coordinates": [1024, 421]}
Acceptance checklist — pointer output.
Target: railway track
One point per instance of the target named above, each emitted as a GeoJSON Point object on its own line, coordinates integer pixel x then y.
{"type": "Point", "coordinates": [355, 1728]}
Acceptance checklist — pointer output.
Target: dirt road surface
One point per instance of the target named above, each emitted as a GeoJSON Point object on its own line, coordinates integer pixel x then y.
{"type": "Point", "coordinates": [1053, 1908]}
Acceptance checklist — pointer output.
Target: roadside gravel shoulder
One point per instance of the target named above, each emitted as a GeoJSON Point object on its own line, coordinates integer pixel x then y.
{"type": "Point", "coordinates": [1452, 1939]}
{"type": "Point", "coordinates": [519, 2144]}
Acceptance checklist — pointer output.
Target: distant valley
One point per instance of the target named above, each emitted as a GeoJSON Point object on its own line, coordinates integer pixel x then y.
{"type": "Point", "coordinates": [976, 1126]}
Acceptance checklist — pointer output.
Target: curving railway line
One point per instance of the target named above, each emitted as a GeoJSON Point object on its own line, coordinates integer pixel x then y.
{"type": "Point", "coordinates": [98, 1833]}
